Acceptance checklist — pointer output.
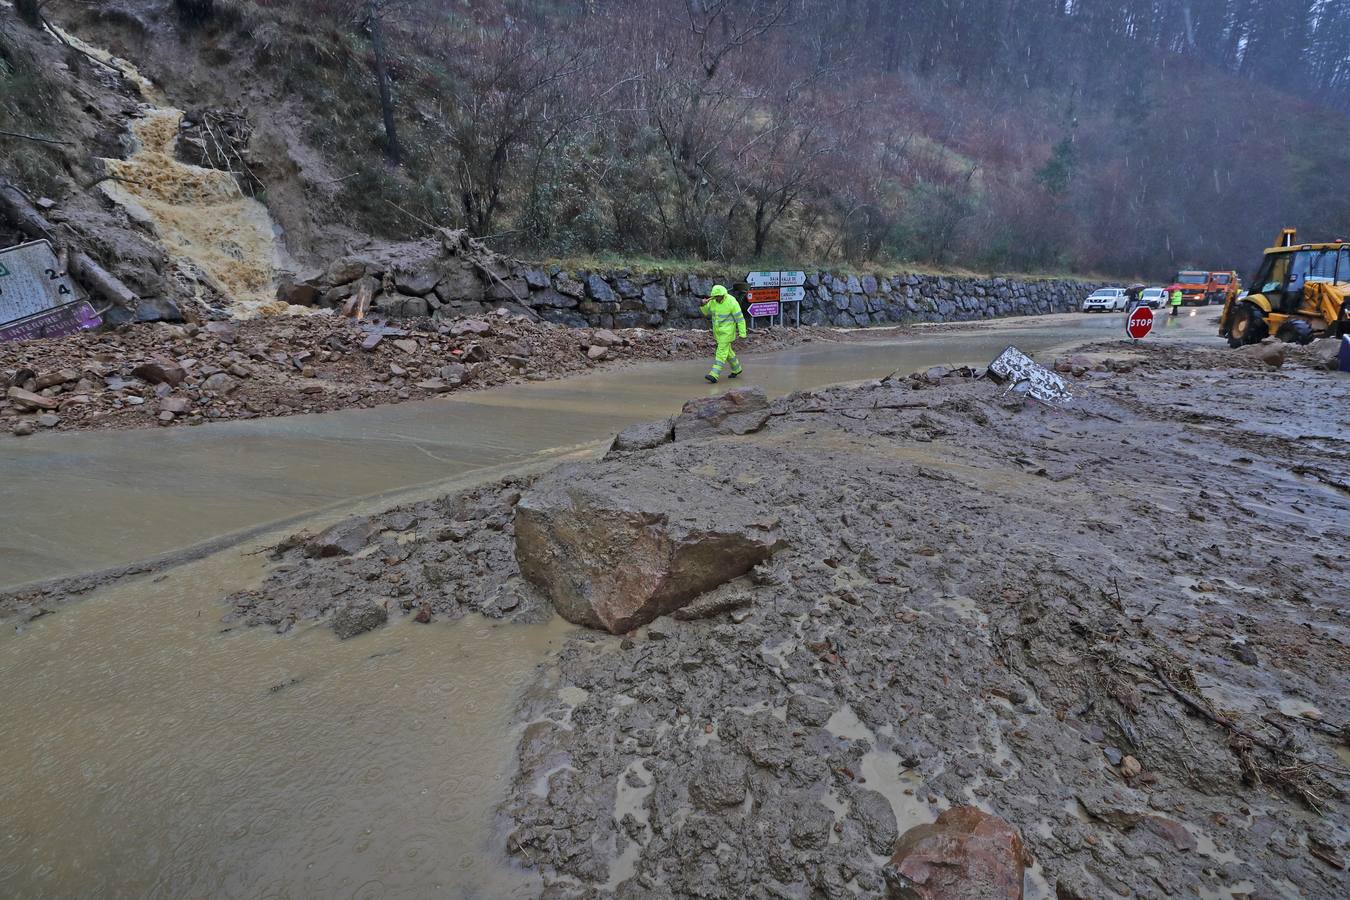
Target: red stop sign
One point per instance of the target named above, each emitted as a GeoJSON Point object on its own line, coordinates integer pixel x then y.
{"type": "Point", "coordinates": [1140, 322]}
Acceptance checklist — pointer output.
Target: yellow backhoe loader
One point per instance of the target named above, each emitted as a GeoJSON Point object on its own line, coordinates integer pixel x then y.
{"type": "Point", "coordinates": [1300, 292]}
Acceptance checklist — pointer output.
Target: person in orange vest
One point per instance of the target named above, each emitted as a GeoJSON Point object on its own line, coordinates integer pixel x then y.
{"type": "Point", "coordinates": [728, 323]}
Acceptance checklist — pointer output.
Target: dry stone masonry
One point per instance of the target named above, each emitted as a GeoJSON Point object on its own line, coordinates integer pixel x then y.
{"type": "Point", "coordinates": [456, 276]}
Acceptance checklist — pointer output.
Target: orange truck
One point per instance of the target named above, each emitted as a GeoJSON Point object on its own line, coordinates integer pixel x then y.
{"type": "Point", "coordinates": [1202, 288]}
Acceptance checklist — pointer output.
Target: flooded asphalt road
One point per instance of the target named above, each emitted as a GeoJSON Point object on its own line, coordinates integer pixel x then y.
{"type": "Point", "coordinates": [151, 752]}
{"type": "Point", "coordinates": [76, 503]}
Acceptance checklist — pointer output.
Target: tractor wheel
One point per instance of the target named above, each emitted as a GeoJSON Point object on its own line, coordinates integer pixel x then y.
{"type": "Point", "coordinates": [1296, 331]}
{"type": "Point", "coordinates": [1246, 325]}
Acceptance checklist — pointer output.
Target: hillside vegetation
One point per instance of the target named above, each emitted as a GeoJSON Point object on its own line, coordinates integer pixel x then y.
{"type": "Point", "coordinates": [1010, 135]}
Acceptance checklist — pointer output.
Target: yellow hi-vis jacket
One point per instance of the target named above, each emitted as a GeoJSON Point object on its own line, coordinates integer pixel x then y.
{"type": "Point", "coordinates": [1176, 298]}
{"type": "Point", "coordinates": [727, 321]}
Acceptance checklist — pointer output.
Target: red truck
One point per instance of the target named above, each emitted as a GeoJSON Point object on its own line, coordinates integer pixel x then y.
{"type": "Point", "coordinates": [1203, 288]}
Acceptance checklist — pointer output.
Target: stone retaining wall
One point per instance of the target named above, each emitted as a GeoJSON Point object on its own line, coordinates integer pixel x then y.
{"type": "Point", "coordinates": [623, 299]}
{"type": "Point", "coordinates": [452, 278]}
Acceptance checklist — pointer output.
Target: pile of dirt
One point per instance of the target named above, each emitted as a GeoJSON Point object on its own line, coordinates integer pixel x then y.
{"type": "Point", "coordinates": [190, 374]}
{"type": "Point", "coordinates": [1320, 355]}
{"type": "Point", "coordinates": [434, 559]}
{"type": "Point", "coordinates": [1121, 629]}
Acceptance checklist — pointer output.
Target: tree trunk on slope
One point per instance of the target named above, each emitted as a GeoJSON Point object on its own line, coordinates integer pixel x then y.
{"type": "Point", "coordinates": [375, 13]}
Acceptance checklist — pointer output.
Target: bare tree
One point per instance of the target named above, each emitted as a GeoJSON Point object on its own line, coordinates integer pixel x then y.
{"type": "Point", "coordinates": [373, 21]}
{"type": "Point", "coordinates": [783, 156]}
{"type": "Point", "coordinates": [695, 111]}
{"type": "Point", "coordinates": [514, 95]}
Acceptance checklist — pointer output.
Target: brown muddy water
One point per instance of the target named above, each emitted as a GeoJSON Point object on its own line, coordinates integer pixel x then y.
{"type": "Point", "coordinates": [147, 752]}
{"type": "Point", "coordinates": [199, 215]}
{"type": "Point", "coordinates": [81, 502]}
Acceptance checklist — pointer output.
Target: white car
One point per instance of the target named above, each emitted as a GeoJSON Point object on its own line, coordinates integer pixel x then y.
{"type": "Point", "coordinates": [1106, 300]}
{"type": "Point", "coordinates": [1156, 297]}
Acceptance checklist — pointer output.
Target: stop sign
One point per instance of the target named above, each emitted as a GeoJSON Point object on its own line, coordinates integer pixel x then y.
{"type": "Point", "coordinates": [1140, 322]}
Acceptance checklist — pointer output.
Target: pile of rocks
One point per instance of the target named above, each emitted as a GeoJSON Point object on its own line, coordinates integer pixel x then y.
{"type": "Point", "coordinates": [447, 275]}
{"type": "Point", "coordinates": [453, 275]}
{"type": "Point", "coordinates": [190, 374]}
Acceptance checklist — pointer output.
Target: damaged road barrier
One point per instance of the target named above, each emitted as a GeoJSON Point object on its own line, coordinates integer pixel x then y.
{"type": "Point", "coordinates": [1021, 373]}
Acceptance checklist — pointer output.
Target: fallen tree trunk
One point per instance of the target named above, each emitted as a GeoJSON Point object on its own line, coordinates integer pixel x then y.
{"type": "Point", "coordinates": [21, 214]}
{"type": "Point", "coordinates": [16, 209]}
{"type": "Point", "coordinates": [98, 280]}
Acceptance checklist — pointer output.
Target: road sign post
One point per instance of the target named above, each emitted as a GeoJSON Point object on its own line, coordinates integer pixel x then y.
{"type": "Point", "coordinates": [775, 290]}
{"type": "Point", "coordinates": [763, 303]}
{"type": "Point", "coordinates": [1139, 322]}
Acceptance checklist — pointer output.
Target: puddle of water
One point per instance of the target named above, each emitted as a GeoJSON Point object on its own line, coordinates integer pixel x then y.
{"type": "Point", "coordinates": [965, 607]}
{"type": "Point", "coordinates": [630, 800]}
{"type": "Point", "coordinates": [778, 712]}
{"type": "Point", "coordinates": [1205, 846]}
{"type": "Point", "coordinates": [572, 695]}
{"type": "Point", "coordinates": [1297, 708]}
{"type": "Point", "coordinates": [883, 772]}
{"type": "Point", "coordinates": [146, 753]}
{"type": "Point", "coordinates": [846, 725]}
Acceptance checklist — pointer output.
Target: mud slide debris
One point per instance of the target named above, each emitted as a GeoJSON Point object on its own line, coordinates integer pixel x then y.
{"type": "Point", "coordinates": [1051, 613]}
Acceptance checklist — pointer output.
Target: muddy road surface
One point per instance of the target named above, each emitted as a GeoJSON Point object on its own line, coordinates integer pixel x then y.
{"type": "Point", "coordinates": [81, 502]}
{"type": "Point", "coordinates": [981, 602]}
{"type": "Point", "coordinates": [1120, 624]}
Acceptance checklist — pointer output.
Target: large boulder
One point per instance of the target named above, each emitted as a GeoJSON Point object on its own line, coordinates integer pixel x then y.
{"type": "Point", "coordinates": [343, 539]}
{"type": "Point", "coordinates": [160, 371]}
{"type": "Point", "coordinates": [598, 289]}
{"type": "Point", "coordinates": [735, 412]}
{"type": "Point", "coordinates": [643, 436]}
{"type": "Point", "coordinates": [27, 400]}
{"type": "Point", "coordinates": [414, 281]}
{"type": "Point", "coordinates": [614, 546]}
{"type": "Point", "coordinates": [345, 270]}
{"type": "Point", "coordinates": [462, 284]}
{"type": "Point", "coordinates": [1272, 354]}
{"type": "Point", "coordinates": [158, 309]}
{"type": "Point", "coordinates": [967, 854]}
{"type": "Point", "coordinates": [295, 292]}
{"type": "Point", "coordinates": [654, 298]}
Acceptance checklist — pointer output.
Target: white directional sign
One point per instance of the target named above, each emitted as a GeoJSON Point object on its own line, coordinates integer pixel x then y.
{"type": "Point", "coordinates": [792, 294]}
{"type": "Point", "coordinates": [775, 279]}
{"type": "Point", "coordinates": [32, 281]}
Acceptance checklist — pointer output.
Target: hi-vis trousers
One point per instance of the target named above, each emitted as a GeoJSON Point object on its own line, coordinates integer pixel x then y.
{"type": "Point", "coordinates": [726, 356]}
